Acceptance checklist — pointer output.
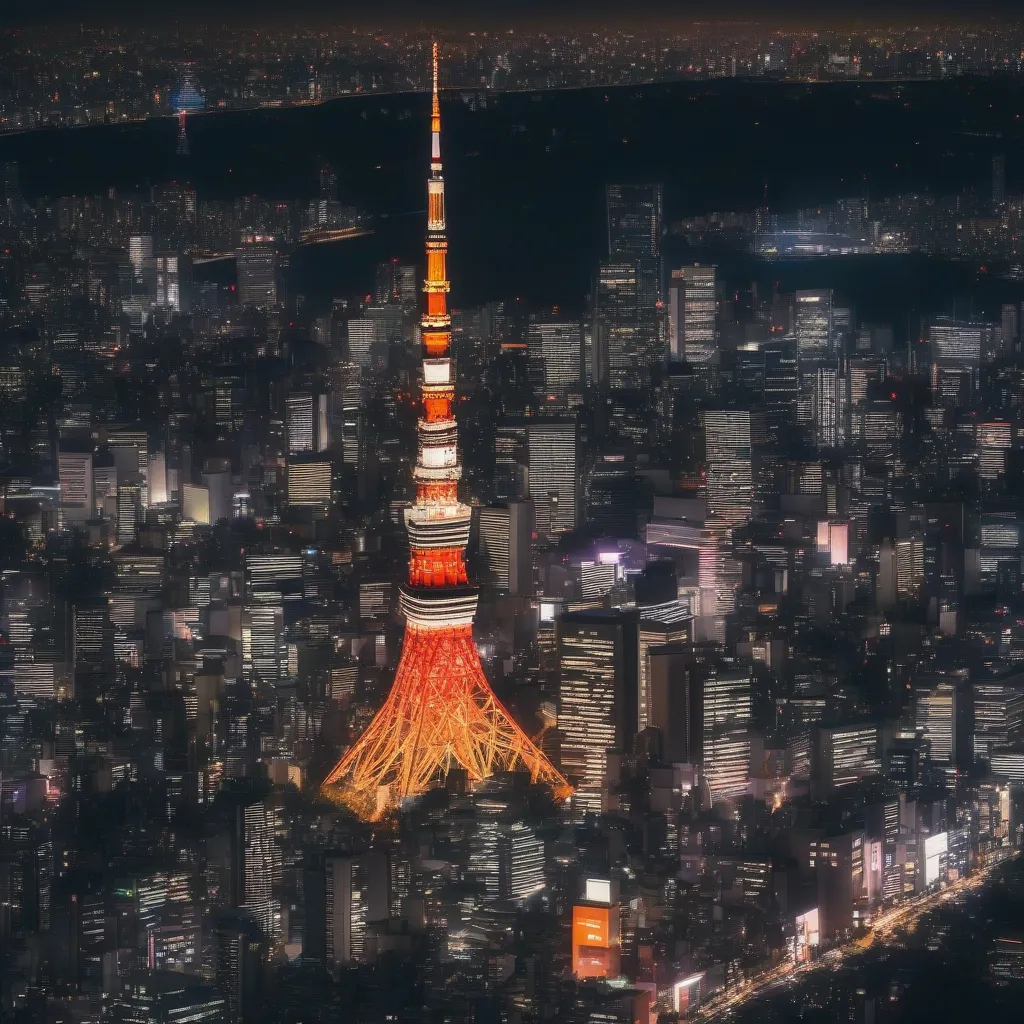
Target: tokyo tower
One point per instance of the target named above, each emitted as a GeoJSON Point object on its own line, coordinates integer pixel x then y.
{"type": "Point", "coordinates": [441, 712]}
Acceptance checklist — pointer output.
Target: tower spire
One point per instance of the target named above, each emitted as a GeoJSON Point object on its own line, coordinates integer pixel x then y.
{"type": "Point", "coordinates": [435, 126]}
{"type": "Point", "coordinates": [441, 712]}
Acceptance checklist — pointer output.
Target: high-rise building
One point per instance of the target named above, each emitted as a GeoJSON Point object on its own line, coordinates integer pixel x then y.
{"type": "Point", "coordinates": [240, 965]}
{"type": "Point", "coordinates": [257, 276]}
{"type": "Point", "coordinates": [626, 323]}
{"type": "Point", "coordinates": [168, 283]}
{"type": "Point", "coordinates": [504, 545]}
{"type": "Point", "coordinates": [935, 718]}
{"type": "Point", "coordinates": [309, 483]}
{"type": "Point", "coordinates": [556, 347]}
{"type": "Point", "coordinates": [814, 329]}
{"type": "Point", "coordinates": [844, 754]}
{"type": "Point", "coordinates": [691, 314]}
{"type": "Point", "coordinates": [660, 626]}
{"type": "Point", "coordinates": [307, 422]}
{"type": "Point", "coordinates": [166, 997]}
{"type": "Point", "coordinates": [553, 451]}
{"type": "Point", "coordinates": [829, 407]}
{"type": "Point", "coordinates": [597, 697]}
{"type": "Point", "coordinates": [76, 484]}
{"type": "Point", "coordinates": [140, 254]}
{"type": "Point", "coordinates": [998, 717]}
{"type": "Point", "coordinates": [129, 509]}
{"type": "Point", "coordinates": [730, 481]}
{"type": "Point", "coordinates": [256, 863]}
{"type": "Point", "coordinates": [344, 894]}
{"type": "Point", "coordinates": [525, 861]}
{"type": "Point", "coordinates": [635, 214]}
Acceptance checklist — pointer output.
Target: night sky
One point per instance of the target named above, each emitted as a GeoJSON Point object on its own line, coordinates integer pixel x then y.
{"type": "Point", "coordinates": [471, 13]}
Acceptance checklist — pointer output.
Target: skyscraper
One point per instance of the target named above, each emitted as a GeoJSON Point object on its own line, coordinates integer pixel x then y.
{"type": "Point", "coordinates": [76, 486]}
{"type": "Point", "coordinates": [635, 220]}
{"type": "Point", "coordinates": [691, 313]}
{"type": "Point", "coordinates": [597, 696]}
{"type": "Point", "coordinates": [504, 543]}
{"type": "Point", "coordinates": [553, 451]}
{"type": "Point", "coordinates": [626, 322]}
{"type": "Point", "coordinates": [307, 422]}
{"type": "Point", "coordinates": [257, 276]}
{"type": "Point", "coordinates": [556, 345]}
{"type": "Point", "coordinates": [813, 323]}
{"type": "Point", "coordinates": [728, 443]}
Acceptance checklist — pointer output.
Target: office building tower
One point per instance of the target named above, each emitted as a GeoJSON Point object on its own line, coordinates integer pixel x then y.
{"type": "Point", "coordinates": [998, 179]}
{"type": "Point", "coordinates": [76, 484]}
{"type": "Point", "coordinates": [345, 893]}
{"type": "Point", "coordinates": [724, 695]}
{"type": "Point", "coordinates": [660, 625]}
{"type": "Point", "coordinates": [362, 335]}
{"type": "Point", "coordinates": [959, 343]}
{"type": "Point", "coordinates": [781, 385]}
{"type": "Point", "coordinates": [240, 966]}
{"type": "Point", "coordinates": [635, 214]}
{"type": "Point", "coordinates": [935, 719]}
{"type": "Point", "coordinates": [626, 323]}
{"type": "Point", "coordinates": [309, 484]}
{"type": "Point", "coordinates": [553, 451]}
{"type": "Point", "coordinates": [691, 314]}
{"type": "Point", "coordinates": [256, 863]}
{"type": "Point", "coordinates": [129, 509]}
{"type": "Point", "coordinates": [165, 997]}
{"type": "Point", "coordinates": [263, 650]}
{"type": "Point", "coordinates": [307, 422]}
{"type": "Point", "coordinates": [525, 856]}
{"type": "Point", "coordinates": [998, 717]}
{"type": "Point", "coordinates": [597, 697]}
{"type": "Point", "coordinates": [168, 283]}
{"type": "Point", "coordinates": [92, 637]}
{"type": "Point", "coordinates": [556, 348]}
{"type": "Point", "coordinates": [504, 545]}
{"type": "Point", "coordinates": [372, 335]}
{"type": "Point", "coordinates": [195, 503]}
{"type": "Point", "coordinates": [844, 754]}
{"type": "Point", "coordinates": [730, 482]}
{"type": "Point", "coordinates": [257, 276]}
{"type": "Point", "coordinates": [829, 407]}
{"type": "Point", "coordinates": [1009, 328]}
{"type": "Point", "coordinates": [395, 283]}
{"type": "Point", "coordinates": [140, 254]}
{"type": "Point", "coordinates": [814, 327]}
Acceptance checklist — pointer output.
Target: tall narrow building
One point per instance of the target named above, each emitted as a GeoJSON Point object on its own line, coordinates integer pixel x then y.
{"type": "Point", "coordinates": [441, 712]}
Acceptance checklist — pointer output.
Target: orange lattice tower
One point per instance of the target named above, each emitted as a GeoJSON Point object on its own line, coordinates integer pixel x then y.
{"type": "Point", "coordinates": [441, 712]}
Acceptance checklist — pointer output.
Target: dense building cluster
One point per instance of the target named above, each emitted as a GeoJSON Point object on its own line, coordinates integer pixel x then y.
{"type": "Point", "coordinates": [745, 571]}
{"type": "Point", "coordinates": [981, 223]}
{"type": "Point", "coordinates": [80, 74]}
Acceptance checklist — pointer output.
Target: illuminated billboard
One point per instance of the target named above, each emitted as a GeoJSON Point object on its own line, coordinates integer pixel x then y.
{"type": "Point", "coordinates": [598, 890]}
{"type": "Point", "coordinates": [808, 930]}
{"type": "Point", "coordinates": [935, 848]}
{"type": "Point", "coordinates": [595, 942]}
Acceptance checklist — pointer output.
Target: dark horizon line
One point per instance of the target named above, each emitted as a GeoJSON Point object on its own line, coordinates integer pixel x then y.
{"type": "Point", "coordinates": [124, 14]}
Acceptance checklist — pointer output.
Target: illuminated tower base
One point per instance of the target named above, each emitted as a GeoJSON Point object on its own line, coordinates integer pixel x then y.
{"type": "Point", "coordinates": [441, 713]}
